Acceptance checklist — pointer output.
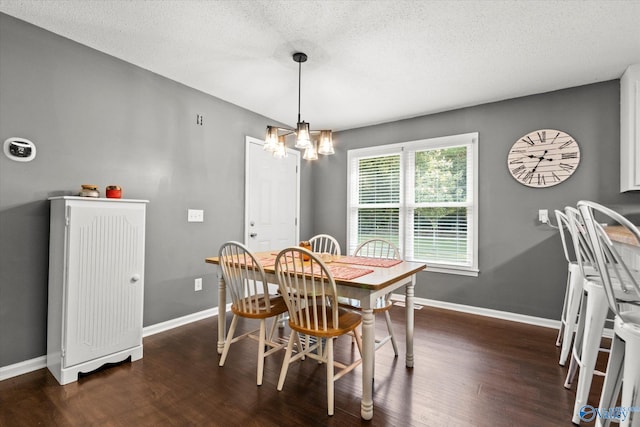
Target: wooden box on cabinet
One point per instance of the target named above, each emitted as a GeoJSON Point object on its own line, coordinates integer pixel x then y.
{"type": "Point", "coordinates": [96, 284]}
{"type": "Point", "coordinates": [630, 129]}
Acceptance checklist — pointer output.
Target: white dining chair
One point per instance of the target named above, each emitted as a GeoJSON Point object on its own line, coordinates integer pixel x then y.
{"type": "Point", "coordinates": [377, 248]}
{"type": "Point", "coordinates": [311, 296]}
{"type": "Point", "coordinates": [247, 285]}
{"type": "Point", "coordinates": [621, 286]}
{"type": "Point", "coordinates": [324, 243]}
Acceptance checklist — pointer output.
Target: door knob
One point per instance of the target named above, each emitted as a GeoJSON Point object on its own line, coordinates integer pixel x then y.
{"type": "Point", "coordinates": [253, 234]}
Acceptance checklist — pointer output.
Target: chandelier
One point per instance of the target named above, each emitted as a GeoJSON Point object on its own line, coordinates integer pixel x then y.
{"type": "Point", "coordinates": [305, 138]}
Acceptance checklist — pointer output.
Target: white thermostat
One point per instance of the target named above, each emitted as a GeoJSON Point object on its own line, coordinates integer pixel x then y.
{"type": "Point", "coordinates": [19, 149]}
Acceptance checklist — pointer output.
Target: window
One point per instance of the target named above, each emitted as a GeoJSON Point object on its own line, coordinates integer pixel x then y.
{"type": "Point", "coordinates": [422, 196]}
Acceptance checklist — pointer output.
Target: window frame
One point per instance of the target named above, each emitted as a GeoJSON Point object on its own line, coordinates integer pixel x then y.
{"type": "Point", "coordinates": [406, 205]}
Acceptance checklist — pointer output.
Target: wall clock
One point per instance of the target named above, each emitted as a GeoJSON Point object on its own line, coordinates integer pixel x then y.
{"type": "Point", "coordinates": [543, 158]}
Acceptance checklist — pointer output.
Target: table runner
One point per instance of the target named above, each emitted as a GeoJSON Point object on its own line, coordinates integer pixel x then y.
{"type": "Point", "coordinates": [342, 272]}
{"type": "Point", "coordinates": [370, 262]}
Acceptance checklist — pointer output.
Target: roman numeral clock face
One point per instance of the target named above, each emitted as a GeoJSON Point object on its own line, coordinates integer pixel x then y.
{"type": "Point", "coordinates": [543, 158]}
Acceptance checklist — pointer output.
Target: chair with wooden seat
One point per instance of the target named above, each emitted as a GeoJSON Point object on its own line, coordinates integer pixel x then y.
{"type": "Point", "coordinates": [311, 296]}
{"type": "Point", "coordinates": [621, 285]}
{"type": "Point", "coordinates": [247, 284]}
{"type": "Point", "coordinates": [324, 243]}
{"type": "Point", "coordinates": [377, 248]}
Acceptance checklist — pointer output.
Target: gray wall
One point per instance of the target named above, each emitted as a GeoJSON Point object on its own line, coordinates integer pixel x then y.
{"type": "Point", "coordinates": [522, 269]}
{"type": "Point", "coordinates": [98, 120]}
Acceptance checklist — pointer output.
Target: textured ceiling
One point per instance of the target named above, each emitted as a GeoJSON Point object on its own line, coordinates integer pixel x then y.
{"type": "Point", "coordinates": [369, 61]}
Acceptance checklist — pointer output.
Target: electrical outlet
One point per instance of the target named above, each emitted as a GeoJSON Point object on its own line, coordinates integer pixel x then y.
{"type": "Point", "coordinates": [198, 284]}
{"type": "Point", "coordinates": [543, 216]}
{"type": "Point", "coordinates": [195, 215]}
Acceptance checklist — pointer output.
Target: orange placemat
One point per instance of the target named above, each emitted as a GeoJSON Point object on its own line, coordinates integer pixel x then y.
{"type": "Point", "coordinates": [370, 262]}
{"type": "Point", "coordinates": [347, 273]}
{"type": "Point", "coordinates": [267, 260]}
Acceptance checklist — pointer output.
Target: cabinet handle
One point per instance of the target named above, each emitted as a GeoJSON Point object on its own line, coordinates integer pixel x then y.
{"type": "Point", "coordinates": [135, 278]}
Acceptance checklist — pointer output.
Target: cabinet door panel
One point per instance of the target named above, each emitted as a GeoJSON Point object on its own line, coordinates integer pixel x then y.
{"type": "Point", "coordinates": [105, 279]}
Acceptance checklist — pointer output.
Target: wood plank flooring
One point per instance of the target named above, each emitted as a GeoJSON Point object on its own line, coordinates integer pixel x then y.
{"type": "Point", "coordinates": [469, 371]}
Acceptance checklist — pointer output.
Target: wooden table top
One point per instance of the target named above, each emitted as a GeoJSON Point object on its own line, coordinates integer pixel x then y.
{"type": "Point", "coordinates": [618, 233]}
{"type": "Point", "coordinates": [380, 277]}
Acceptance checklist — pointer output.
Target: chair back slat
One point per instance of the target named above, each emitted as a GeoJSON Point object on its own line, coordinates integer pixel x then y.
{"type": "Point", "coordinates": [324, 243]}
{"type": "Point", "coordinates": [612, 267]}
{"type": "Point", "coordinates": [308, 288]}
{"type": "Point", "coordinates": [377, 248]}
{"type": "Point", "coordinates": [245, 278]}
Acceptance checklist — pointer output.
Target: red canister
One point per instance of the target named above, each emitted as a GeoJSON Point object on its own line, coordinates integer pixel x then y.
{"type": "Point", "coordinates": [114, 192]}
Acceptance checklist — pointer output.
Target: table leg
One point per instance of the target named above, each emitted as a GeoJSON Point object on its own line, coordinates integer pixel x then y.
{"type": "Point", "coordinates": [368, 360]}
{"type": "Point", "coordinates": [222, 311]}
{"type": "Point", "coordinates": [410, 321]}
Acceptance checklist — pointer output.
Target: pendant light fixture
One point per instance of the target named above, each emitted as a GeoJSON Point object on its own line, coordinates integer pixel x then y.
{"type": "Point", "coordinates": [276, 136]}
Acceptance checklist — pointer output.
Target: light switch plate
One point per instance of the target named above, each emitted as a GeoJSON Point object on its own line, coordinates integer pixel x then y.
{"type": "Point", "coordinates": [195, 215]}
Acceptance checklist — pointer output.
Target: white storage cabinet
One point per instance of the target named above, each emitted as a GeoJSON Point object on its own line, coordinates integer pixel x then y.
{"type": "Point", "coordinates": [96, 284]}
{"type": "Point", "coordinates": [630, 129]}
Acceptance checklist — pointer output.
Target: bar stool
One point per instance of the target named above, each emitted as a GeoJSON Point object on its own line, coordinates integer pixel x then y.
{"type": "Point", "coordinates": [592, 317]}
{"type": "Point", "coordinates": [571, 304]}
{"type": "Point", "coordinates": [623, 368]}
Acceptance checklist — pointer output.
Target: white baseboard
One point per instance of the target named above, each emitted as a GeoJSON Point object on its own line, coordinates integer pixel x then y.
{"type": "Point", "coordinates": [24, 367]}
{"type": "Point", "coordinates": [487, 312]}
{"type": "Point", "coordinates": [27, 366]}
{"type": "Point", "coordinates": [31, 365]}
{"type": "Point", "coordinates": [180, 321]}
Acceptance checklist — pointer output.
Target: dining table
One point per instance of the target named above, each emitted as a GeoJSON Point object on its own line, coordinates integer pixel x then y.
{"type": "Point", "coordinates": [361, 278]}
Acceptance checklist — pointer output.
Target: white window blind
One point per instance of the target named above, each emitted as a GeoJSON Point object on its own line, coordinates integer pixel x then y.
{"type": "Point", "coordinates": [419, 195]}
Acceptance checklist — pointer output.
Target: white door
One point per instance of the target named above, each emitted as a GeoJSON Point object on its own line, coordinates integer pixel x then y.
{"type": "Point", "coordinates": [272, 194]}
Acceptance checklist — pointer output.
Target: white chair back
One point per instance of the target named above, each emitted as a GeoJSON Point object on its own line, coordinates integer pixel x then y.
{"type": "Point", "coordinates": [563, 227]}
{"type": "Point", "coordinates": [309, 290]}
{"type": "Point", "coordinates": [322, 243]}
{"type": "Point", "coordinates": [581, 245]}
{"type": "Point", "coordinates": [377, 248]}
{"type": "Point", "coordinates": [245, 279]}
{"type": "Point", "coordinates": [611, 266]}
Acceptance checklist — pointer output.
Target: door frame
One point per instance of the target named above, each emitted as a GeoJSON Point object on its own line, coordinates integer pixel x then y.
{"type": "Point", "coordinates": [290, 152]}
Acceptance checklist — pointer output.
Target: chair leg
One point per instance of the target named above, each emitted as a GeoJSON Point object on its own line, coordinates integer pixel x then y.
{"type": "Point", "coordinates": [329, 353]}
{"type": "Point", "coordinates": [261, 344]}
{"type": "Point", "coordinates": [287, 359]}
{"type": "Point", "coordinates": [390, 330]}
{"type": "Point", "coordinates": [613, 379]}
{"type": "Point", "coordinates": [227, 343]}
{"type": "Point", "coordinates": [272, 330]}
{"type": "Point", "coordinates": [595, 315]}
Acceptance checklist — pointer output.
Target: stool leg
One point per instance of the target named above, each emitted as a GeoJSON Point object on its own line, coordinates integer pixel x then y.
{"type": "Point", "coordinates": [563, 316]}
{"type": "Point", "coordinates": [576, 348]}
{"type": "Point", "coordinates": [596, 313]}
{"type": "Point", "coordinates": [573, 304]}
{"type": "Point", "coordinates": [631, 383]}
{"type": "Point", "coordinates": [613, 379]}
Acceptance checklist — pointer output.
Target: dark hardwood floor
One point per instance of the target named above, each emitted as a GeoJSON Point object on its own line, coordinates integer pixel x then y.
{"type": "Point", "coordinates": [469, 371]}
